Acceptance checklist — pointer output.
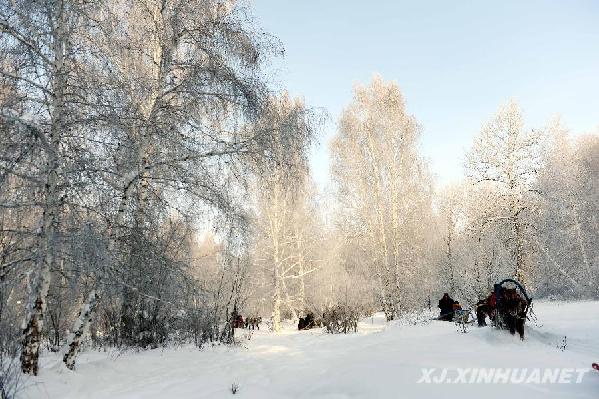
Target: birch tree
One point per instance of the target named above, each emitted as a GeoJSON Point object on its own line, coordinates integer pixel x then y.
{"type": "Point", "coordinates": [187, 78]}
{"type": "Point", "coordinates": [568, 226]}
{"type": "Point", "coordinates": [506, 158]}
{"type": "Point", "coordinates": [43, 42]}
{"type": "Point", "coordinates": [279, 249]}
{"type": "Point", "coordinates": [118, 115]}
{"type": "Point", "coordinates": [473, 242]}
{"type": "Point", "coordinates": [384, 187]}
{"type": "Point", "coordinates": [452, 209]}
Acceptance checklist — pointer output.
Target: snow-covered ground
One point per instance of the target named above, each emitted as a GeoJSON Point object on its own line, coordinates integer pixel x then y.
{"type": "Point", "coordinates": [381, 361]}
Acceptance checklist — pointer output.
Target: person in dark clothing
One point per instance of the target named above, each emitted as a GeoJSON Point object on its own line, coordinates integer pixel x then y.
{"type": "Point", "coordinates": [446, 306]}
{"type": "Point", "coordinates": [236, 319]}
{"type": "Point", "coordinates": [306, 323]}
{"type": "Point", "coordinates": [486, 307]}
{"type": "Point", "coordinates": [482, 309]}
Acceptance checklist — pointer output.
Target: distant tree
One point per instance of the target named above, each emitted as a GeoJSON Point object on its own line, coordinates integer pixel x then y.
{"type": "Point", "coordinates": [385, 190]}
{"type": "Point", "coordinates": [280, 224]}
{"type": "Point", "coordinates": [506, 158]}
{"type": "Point", "coordinates": [568, 224]}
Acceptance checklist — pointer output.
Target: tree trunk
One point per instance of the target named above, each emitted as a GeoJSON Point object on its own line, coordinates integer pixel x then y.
{"type": "Point", "coordinates": [79, 329]}
{"type": "Point", "coordinates": [36, 308]}
{"type": "Point", "coordinates": [520, 267]}
{"type": "Point", "coordinates": [276, 312]}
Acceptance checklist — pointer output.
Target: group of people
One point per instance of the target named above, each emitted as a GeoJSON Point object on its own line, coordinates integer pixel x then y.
{"type": "Point", "coordinates": [505, 307]}
{"type": "Point", "coordinates": [485, 307]}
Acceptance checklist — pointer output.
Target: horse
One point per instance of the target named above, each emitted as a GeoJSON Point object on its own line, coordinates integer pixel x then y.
{"type": "Point", "coordinates": [253, 323]}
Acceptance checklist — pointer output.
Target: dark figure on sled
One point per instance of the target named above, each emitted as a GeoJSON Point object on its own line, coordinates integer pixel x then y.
{"type": "Point", "coordinates": [448, 307]}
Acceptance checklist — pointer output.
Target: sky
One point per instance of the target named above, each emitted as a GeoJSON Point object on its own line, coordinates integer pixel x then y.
{"type": "Point", "coordinates": [455, 62]}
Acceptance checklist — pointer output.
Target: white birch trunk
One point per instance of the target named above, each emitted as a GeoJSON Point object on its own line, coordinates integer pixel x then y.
{"type": "Point", "coordinates": [79, 329]}
{"type": "Point", "coordinates": [36, 307]}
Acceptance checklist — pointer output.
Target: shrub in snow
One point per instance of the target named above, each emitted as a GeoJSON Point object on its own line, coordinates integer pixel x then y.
{"type": "Point", "coordinates": [563, 344]}
{"type": "Point", "coordinates": [341, 319]}
{"type": "Point", "coordinates": [415, 317]}
{"type": "Point", "coordinates": [10, 374]}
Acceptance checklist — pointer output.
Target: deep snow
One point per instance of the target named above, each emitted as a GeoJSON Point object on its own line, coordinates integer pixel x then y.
{"type": "Point", "coordinates": [381, 361]}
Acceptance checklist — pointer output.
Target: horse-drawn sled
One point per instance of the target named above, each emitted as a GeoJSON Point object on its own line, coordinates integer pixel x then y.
{"type": "Point", "coordinates": [507, 307]}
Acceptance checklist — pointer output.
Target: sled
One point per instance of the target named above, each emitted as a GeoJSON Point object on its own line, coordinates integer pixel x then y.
{"type": "Point", "coordinates": [461, 318]}
{"type": "Point", "coordinates": [442, 317]}
{"type": "Point", "coordinates": [508, 281]}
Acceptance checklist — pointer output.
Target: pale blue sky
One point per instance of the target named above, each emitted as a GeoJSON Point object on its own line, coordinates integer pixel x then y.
{"type": "Point", "coordinates": [455, 62]}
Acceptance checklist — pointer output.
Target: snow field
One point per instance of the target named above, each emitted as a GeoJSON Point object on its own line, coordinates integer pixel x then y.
{"type": "Point", "coordinates": [383, 360]}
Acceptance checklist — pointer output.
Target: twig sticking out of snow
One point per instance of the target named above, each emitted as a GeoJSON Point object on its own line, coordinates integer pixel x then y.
{"type": "Point", "coordinates": [234, 388]}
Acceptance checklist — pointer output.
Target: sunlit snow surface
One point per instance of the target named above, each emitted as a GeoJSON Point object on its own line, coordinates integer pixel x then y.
{"type": "Point", "coordinates": [381, 361]}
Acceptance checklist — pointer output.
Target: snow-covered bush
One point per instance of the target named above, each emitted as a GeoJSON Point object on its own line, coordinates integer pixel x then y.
{"type": "Point", "coordinates": [341, 319]}
{"type": "Point", "coordinates": [416, 317]}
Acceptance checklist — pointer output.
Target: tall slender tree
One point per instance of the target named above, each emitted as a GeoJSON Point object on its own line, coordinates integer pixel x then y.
{"type": "Point", "coordinates": [279, 247]}
{"type": "Point", "coordinates": [506, 157]}
{"type": "Point", "coordinates": [384, 187]}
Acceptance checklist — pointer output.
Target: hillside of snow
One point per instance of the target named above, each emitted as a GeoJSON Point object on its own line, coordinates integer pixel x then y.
{"type": "Point", "coordinates": [381, 361]}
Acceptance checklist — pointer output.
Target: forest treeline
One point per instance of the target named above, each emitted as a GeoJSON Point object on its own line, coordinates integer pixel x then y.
{"type": "Point", "coordinates": [152, 181]}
